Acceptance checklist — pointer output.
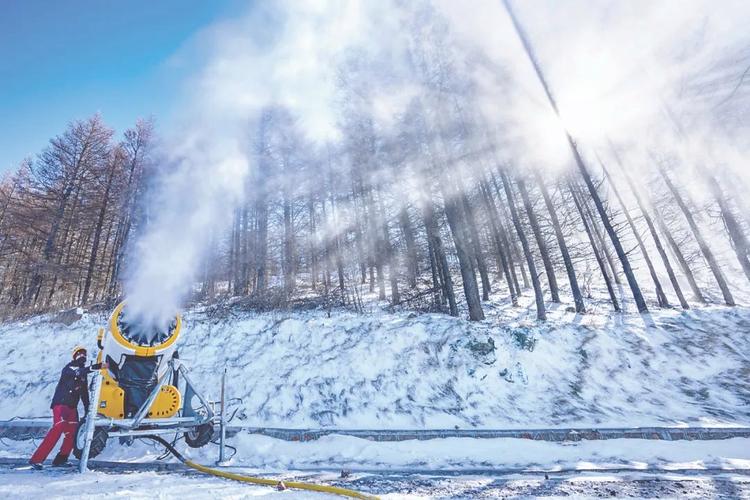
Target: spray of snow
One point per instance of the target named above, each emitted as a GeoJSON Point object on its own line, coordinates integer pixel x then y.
{"type": "Point", "coordinates": [281, 54]}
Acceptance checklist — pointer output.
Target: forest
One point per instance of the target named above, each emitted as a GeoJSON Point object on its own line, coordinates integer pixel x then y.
{"type": "Point", "coordinates": [436, 207]}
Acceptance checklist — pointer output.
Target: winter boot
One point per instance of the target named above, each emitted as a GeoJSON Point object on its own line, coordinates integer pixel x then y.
{"type": "Point", "coordinates": [60, 460]}
{"type": "Point", "coordinates": [35, 465]}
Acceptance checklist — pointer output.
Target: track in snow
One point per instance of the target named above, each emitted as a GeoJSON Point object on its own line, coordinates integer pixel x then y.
{"type": "Point", "coordinates": [474, 483]}
{"type": "Point", "coordinates": [36, 428]}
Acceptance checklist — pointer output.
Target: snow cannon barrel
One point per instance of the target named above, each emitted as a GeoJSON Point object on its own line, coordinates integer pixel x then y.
{"type": "Point", "coordinates": [142, 339]}
{"type": "Point", "coordinates": [138, 354]}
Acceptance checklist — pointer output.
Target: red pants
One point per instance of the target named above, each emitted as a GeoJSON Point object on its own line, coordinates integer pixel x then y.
{"type": "Point", "coordinates": [64, 421]}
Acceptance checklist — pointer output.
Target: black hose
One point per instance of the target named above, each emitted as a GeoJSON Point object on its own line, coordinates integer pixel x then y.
{"type": "Point", "coordinates": [234, 450]}
{"type": "Point", "coordinates": [166, 444]}
{"type": "Point", "coordinates": [164, 455]}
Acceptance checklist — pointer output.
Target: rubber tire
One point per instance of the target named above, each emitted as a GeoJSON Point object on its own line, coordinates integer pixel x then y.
{"type": "Point", "coordinates": [200, 436]}
{"type": "Point", "coordinates": [98, 441]}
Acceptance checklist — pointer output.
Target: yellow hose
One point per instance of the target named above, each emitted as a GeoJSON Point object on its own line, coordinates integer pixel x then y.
{"type": "Point", "coordinates": [258, 480]}
{"type": "Point", "coordinates": [273, 482]}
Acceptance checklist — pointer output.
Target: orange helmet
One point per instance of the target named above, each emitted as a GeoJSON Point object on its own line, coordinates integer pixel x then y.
{"type": "Point", "coordinates": [78, 349]}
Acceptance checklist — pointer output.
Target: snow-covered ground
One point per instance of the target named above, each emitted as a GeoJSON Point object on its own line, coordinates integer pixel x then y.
{"type": "Point", "coordinates": [344, 452]}
{"type": "Point", "coordinates": [171, 485]}
{"type": "Point", "coordinates": [404, 370]}
{"type": "Point", "coordinates": [463, 468]}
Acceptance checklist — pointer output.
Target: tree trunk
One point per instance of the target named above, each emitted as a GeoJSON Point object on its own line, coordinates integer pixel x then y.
{"type": "Point", "coordinates": [739, 240]}
{"type": "Point", "coordinates": [433, 235]}
{"type": "Point", "coordinates": [97, 234]}
{"type": "Point", "coordinates": [461, 241]}
{"type": "Point", "coordinates": [551, 278]}
{"type": "Point", "coordinates": [541, 313]}
{"type": "Point", "coordinates": [261, 272]}
{"type": "Point", "coordinates": [388, 254]}
{"type": "Point", "coordinates": [657, 240]}
{"type": "Point", "coordinates": [705, 249]}
{"type": "Point", "coordinates": [359, 239]}
{"type": "Point", "coordinates": [411, 247]}
{"type": "Point", "coordinates": [491, 208]}
{"type": "Point", "coordinates": [661, 297]}
{"type": "Point", "coordinates": [597, 254]}
{"type": "Point", "coordinates": [602, 241]}
{"type": "Point", "coordinates": [337, 241]}
{"type": "Point", "coordinates": [244, 251]}
{"type": "Point", "coordinates": [476, 244]}
{"type": "Point", "coordinates": [288, 248]}
{"type": "Point", "coordinates": [572, 279]}
{"type": "Point", "coordinates": [510, 243]}
{"type": "Point", "coordinates": [313, 243]}
{"type": "Point", "coordinates": [680, 259]}
{"type": "Point", "coordinates": [377, 245]}
{"type": "Point", "coordinates": [512, 256]}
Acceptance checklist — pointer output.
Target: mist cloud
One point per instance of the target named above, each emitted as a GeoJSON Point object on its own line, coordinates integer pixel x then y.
{"type": "Point", "coordinates": [615, 67]}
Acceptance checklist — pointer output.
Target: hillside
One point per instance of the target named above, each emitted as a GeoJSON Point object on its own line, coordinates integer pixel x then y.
{"type": "Point", "coordinates": [305, 369]}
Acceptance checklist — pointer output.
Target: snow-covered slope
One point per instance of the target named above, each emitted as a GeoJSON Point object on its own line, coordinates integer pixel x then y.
{"type": "Point", "coordinates": [405, 370]}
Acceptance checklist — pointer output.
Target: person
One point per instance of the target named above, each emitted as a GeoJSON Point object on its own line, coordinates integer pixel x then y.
{"type": "Point", "coordinates": [71, 388]}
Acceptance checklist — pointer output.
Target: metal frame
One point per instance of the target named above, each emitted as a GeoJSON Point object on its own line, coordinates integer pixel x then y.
{"type": "Point", "coordinates": [222, 419]}
{"type": "Point", "coordinates": [189, 384]}
{"type": "Point", "coordinates": [93, 403]}
{"type": "Point", "coordinates": [140, 418]}
{"type": "Point", "coordinates": [140, 425]}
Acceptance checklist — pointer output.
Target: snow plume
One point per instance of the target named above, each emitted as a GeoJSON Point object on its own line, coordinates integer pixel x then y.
{"type": "Point", "coordinates": [191, 200]}
{"type": "Point", "coordinates": [279, 54]}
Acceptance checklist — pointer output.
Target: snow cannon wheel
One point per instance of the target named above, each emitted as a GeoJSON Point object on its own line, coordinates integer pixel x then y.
{"type": "Point", "coordinates": [98, 441]}
{"type": "Point", "coordinates": [200, 436]}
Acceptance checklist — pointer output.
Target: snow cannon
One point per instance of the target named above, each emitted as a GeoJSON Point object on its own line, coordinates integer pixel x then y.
{"type": "Point", "coordinates": [146, 388]}
{"type": "Point", "coordinates": [138, 355]}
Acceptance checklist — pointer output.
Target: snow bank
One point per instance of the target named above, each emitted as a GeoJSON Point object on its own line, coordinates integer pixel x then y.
{"type": "Point", "coordinates": [433, 371]}
{"type": "Point", "coordinates": [261, 453]}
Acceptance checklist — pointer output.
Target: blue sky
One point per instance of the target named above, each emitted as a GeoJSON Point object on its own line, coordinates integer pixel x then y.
{"type": "Point", "coordinates": [65, 60]}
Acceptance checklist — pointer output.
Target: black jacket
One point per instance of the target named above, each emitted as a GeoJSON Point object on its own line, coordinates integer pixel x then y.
{"type": "Point", "coordinates": [73, 386]}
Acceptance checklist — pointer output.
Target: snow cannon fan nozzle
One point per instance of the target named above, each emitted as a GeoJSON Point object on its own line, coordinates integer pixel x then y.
{"type": "Point", "coordinates": [141, 338]}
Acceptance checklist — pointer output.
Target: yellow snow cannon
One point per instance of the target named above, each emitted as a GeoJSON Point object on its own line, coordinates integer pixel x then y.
{"type": "Point", "coordinates": [133, 355]}
{"type": "Point", "coordinates": [146, 388]}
